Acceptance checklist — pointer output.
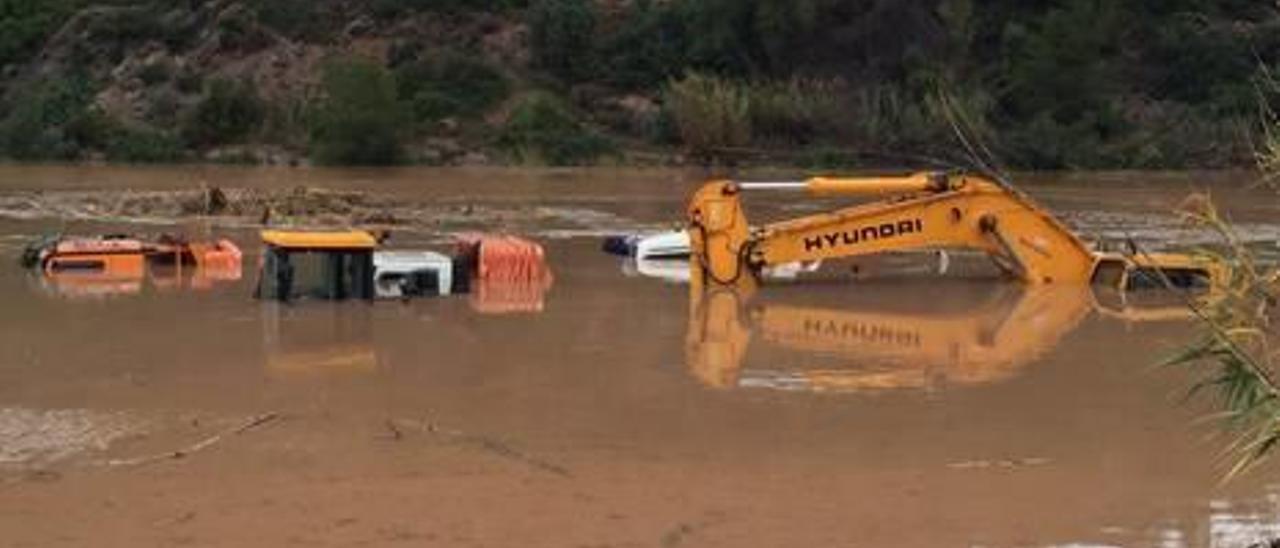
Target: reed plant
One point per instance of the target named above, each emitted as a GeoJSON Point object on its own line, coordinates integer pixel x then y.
{"type": "Point", "coordinates": [1267, 152]}
{"type": "Point", "coordinates": [1236, 355]}
{"type": "Point", "coordinates": [710, 113]}
{"type": "Point", "coordinates": [796, 111]}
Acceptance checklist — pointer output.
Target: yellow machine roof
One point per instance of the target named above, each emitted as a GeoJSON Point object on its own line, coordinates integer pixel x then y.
{"type": "Point", "coordinates": [352, 239]}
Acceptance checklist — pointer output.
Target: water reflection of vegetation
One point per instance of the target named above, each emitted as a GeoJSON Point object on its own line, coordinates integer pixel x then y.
{"type": "Point", "coordinates": [1238, 347]}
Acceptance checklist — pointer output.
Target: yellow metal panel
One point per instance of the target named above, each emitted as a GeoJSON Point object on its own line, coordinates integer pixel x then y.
{"type": "Point", "coordinates": [351, 239]}
{"type": "Point", "coordinates": [919, 182]}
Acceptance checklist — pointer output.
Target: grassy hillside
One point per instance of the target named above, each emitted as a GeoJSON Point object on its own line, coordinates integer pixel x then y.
{"type": "Point", "coordinates": [1050, 84]}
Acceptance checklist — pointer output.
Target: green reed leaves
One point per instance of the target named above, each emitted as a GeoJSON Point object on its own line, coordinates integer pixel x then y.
{"type": "Point", "coordinates": [1235, 357]}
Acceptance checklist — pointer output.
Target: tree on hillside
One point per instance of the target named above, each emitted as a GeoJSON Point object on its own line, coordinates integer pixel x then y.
{"type": "Point", "coordinates": [358, 119]}
{"type": "Point", "coordinates": [562, 37]}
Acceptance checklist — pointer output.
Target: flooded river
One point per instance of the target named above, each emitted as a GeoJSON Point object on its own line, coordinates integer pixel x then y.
{"type": "Point", "coordinates": [906, 410]}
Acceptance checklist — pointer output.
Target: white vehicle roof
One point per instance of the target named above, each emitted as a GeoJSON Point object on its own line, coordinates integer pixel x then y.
{"type": "Point", "coordinates": [673, 244]}
{"type": "Point", "coordinates": [401, 260]}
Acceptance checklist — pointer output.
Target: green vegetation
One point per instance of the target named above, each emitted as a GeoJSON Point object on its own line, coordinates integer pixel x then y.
{"type": "Point", "coordinates": [400, 8]}
{"type": "Point", "coordinates": [1048, 83]}
{"type": "Point", "coordinates": [298, 19]}
{"type": "Point", "coordinates": [359, 119]}
{"type": "Point", "coordinates": [24, 24]}
{"type": "Point", "coordinates": [52, 121]}
{"type": "Point", "coordinates": [449, 84]}
{"type": "Point", "coordinates": [542, 130]}
{"type": "Point", "coordinates": [142, 146]}
{"type": "Point", "coordinates": [710, 113]}
{"type": "Point", "coordinates": [1267, 153]}
{"type": "Point", "coordinates": [562, 35]}
{"type": "Point", "coordinates": [227, 114]}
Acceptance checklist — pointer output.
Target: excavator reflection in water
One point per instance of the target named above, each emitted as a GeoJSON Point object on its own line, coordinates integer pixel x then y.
{"type": "Point", "coordinates": [869, 343]}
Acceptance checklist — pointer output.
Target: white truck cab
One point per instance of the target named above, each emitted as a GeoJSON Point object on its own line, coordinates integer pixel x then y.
{"type": "Point", "coordinates": [401, 274]}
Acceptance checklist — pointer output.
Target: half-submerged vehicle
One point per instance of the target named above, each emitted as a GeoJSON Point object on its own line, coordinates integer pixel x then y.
{"type": "Point", "coordinates": [919, 211]}
{"type": "Point", "coordinates": [342, 265]}
{"type": "Point", "coordinates": [120, 264]}
{"type": "Point", "coordinates": [503, 272]}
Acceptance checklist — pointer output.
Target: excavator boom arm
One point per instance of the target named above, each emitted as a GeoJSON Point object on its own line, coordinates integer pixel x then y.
{"type": "Point", "coordinates": [936, 211]}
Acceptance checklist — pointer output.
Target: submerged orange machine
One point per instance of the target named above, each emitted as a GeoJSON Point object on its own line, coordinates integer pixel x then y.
{"type": "Point", "coordinates": [117, 264]}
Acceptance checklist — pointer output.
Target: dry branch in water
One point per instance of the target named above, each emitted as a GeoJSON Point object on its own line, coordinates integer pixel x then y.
{"type": "Point", "coordinates": [485, 443]}
{"type": "Point", "coordinates": [201, 445]}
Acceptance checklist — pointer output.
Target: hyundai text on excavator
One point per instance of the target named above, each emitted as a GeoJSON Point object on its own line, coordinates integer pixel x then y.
{"type": "Point", "coordinates": [927, 210]}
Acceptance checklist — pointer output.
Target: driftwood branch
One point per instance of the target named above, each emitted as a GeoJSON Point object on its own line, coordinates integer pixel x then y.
{"type": "Point", "coordinates": [201, 445]}
{"type": "Point", "coordinates": [487, 444]}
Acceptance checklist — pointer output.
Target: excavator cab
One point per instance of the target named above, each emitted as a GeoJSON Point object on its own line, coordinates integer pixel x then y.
{"type": "Point", "coordinates": [317, 265]}
{"type": "Point", "coordinates": [1138, 272]}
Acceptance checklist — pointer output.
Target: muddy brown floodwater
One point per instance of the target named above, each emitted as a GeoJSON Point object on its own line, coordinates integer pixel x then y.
{"type": "Point", "coordinates": [897, 411]}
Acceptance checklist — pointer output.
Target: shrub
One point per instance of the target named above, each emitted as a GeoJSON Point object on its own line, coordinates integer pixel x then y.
{"type": "Point", "coordinates": [155, 73]}
{"type": "Point", "coordinates": [710, 113]}
{"type": "Point", "coordinates": [238, 30]}
{"type": "Point", "coordinates": [24, 24]}
{"type": "Point", "coordinates": [647, 45]}
{"type": "Point", "coordinates": [1064, 67]}
{"type": "Point", "coordinates": [542, 129]}
{"type": "Point", "coordinates": [126, 24]}
{"type": "Point", "coordinates": [396, 8]}
{"type": "Point", "coordinates": [291, 18]}
{"type": "Point", "coordinates": [795, 111]}
{"type": "Point", "coordinates": [37, 127]}
{"type": "Point", "coordinates": [1267, 153]}
{"type": "Point", "coordinates": [562, 37]}
{"type": "Point", "coordinates": [142, 146]}
{"type": "Point", "coordinates": [228, 113]}
{"type": "Point", "coordinates": [892, 119]}
{"type": "Point", "coordinates": [189, 80]}
{"type": "Point", "coordinates": [165, 109]}
{"type": "Point", "coordinates": [450, 84]}
{"type": "Point", "coordinates": [286, 122]}
{"type": "Point", "coordinates": [358, 118]}
{"type": "Point", "coordinates": [432, 106]}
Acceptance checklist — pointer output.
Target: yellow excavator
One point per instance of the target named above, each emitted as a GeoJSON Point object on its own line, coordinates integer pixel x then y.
{"type": "Point", "coordinates": [1064, 280]}
{"type": "Point", "coordinates": [927, 210]}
